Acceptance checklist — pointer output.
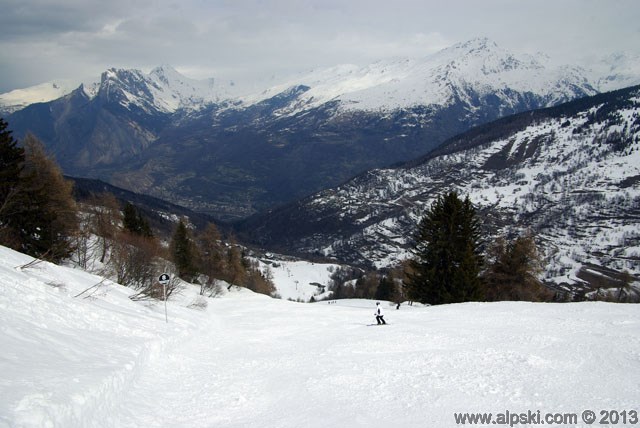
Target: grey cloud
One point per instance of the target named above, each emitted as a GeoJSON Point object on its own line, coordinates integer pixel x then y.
{"type": "Point", "coordinates": [45, 39]}
{"type": "Point", "coordinates": [37, 18]}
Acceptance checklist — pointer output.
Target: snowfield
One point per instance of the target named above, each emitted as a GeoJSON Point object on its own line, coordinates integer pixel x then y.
{"type": "Point", "coordinates": [299, 280]}
{"type": "Point", "coordinates": [246, 360]}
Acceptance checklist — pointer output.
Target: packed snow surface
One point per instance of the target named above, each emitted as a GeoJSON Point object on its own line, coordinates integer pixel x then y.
{"type": "Point", "coordinates": [245, 360]}
{"type": "Point", "coordinates": [299, 279]}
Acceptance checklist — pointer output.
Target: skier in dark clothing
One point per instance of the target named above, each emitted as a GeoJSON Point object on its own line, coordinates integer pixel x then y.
{"type": "Point", "coordinates": [379, 315]}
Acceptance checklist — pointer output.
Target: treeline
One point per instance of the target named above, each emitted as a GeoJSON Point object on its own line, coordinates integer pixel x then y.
{"type": "Point", "coordinates": [121, 240]}
{"type": "Point", "coordinates": [204, 257]}
{"type": "Point", "coordinates": [453, 263]}
{"type": "Point", "coordinates": [39, 217]}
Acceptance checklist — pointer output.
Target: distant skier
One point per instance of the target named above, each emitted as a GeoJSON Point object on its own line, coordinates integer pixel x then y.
{"type": "Point", "coordinates": [379, 315]}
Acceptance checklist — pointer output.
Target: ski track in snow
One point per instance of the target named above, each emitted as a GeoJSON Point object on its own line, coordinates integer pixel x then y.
{"type": "Point", "coordinates": [264, 363]}
{"type": "Point", "coordinates": [251, 361]}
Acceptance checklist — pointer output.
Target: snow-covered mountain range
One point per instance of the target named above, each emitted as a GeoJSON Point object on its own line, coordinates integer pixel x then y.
{"type": "Point", "coordinates": [386, 84]}
{"type": "Point", "coordinates": [221, 149]}
{"type": "Point", "coordinates": [163, 90]}
{"type": "Point", "coordinates": [467, 70]}
{"type": "Point", "coordinates": [570, 174]}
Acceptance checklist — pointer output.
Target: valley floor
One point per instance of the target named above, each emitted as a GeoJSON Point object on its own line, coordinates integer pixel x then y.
{"type": "Point", "coordinates": [251, 361]}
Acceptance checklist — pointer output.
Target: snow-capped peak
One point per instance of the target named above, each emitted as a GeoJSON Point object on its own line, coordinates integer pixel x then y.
{"type": "Point", "coordinates": [617, 70]}
{"type": "Point", "coordinates": [479, 66]}
{"type": "Point", "coordinates": [476, 46]}
{"type": "Point", "coordinates": [484, 56]}
{"type": "Point", "coordinates": [44, 92]}
{"type": "Point", "coordinates": [164, 89]}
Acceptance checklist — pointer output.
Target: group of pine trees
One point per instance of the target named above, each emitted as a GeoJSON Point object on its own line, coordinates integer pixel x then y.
{"type": "Point", "coordinates": [122, 240]}
{"type": "Point", "coordinates": [204, 257]}
{"type": "Point", "coordinates": [449, 265]}
{"type": "Point", "coordinates": [452, 264]}
{"type": "Point", "coordinates": [351, 283]}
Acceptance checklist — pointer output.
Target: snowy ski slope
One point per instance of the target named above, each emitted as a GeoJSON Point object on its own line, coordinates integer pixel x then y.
{"type": "Point", "coordinates": [250, 361]}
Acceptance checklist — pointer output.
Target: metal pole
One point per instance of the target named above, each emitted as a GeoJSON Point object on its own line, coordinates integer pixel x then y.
{"type": "Point", "coordinates": [164, 291]}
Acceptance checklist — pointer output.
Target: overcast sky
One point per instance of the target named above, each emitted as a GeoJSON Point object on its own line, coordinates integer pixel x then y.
{"type": "Point", "coordinates": [42, 40]}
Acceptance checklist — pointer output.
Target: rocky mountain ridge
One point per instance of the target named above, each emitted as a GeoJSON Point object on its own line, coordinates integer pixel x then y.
{"type": "Point", "coordinates": [570, 174]}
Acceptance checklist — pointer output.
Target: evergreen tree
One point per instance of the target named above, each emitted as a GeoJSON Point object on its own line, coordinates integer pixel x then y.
{"type": "Point", "coordinates": [11, 164]}
{"type": "Point", "coordinates": [183, 252]}
{"type": "Point", "coordinates": [447, 259]}
{"type": "Point", "coordinates": [130, 218]}
{"type": "Point", "coordinates": [134, 222]}
{"type": "Point", "coordinates": [366, 286]}
{"type": "Point", "coordinates": [386, 289]}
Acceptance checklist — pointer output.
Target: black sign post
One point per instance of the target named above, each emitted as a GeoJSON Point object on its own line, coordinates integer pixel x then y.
{"type": "Point", "coordinates": [164, 280]}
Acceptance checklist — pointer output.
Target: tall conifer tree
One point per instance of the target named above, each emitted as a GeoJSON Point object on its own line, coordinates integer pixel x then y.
{"type": "Point", "coordinates": [184, 253]}
{"type": "Point", "coordinates": [134, 222]}
{"type": "Point", "coordinates": [447, 259]}
{"type": "Point", "coordinates": [11, 164]}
